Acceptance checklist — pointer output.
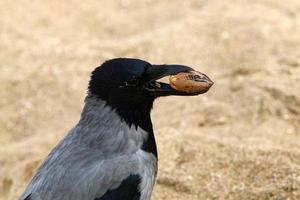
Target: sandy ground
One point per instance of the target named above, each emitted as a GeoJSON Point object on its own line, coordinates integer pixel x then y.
{"type": "Point", "coordinates": [241, 140]}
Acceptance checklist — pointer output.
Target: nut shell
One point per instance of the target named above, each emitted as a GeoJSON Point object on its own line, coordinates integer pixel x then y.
{"type": "Point", "coordinates": [192, 82]}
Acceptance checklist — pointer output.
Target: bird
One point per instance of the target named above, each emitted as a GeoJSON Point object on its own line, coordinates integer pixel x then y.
{"type": "Point", "coordinates": [111, 153]}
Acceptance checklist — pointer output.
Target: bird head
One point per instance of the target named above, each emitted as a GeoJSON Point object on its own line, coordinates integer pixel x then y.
{"type": "Point", "coordinates": [130, 86]}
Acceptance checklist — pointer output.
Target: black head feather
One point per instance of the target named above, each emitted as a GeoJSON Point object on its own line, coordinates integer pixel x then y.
{"type": "Point", "coordinates": [119, 83]}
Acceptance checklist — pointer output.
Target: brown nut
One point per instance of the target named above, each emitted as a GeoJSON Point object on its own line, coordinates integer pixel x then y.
{"type": "Point", "coordinates": [192, 82]}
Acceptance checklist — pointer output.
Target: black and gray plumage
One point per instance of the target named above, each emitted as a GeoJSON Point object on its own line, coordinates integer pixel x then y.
{"type": "Point", "coordinates": [111, 153]}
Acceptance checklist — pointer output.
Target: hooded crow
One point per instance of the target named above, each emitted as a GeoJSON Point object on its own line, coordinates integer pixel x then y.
{"type": "Point", "coordinates": [111, 153]}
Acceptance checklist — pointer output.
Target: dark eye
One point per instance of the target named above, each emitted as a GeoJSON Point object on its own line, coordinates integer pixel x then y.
{"type": "Point", "coordinates": [132, 82]}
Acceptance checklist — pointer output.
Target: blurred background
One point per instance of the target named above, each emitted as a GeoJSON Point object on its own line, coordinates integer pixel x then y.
{"type": "Point", "coordinates": [241, 140]}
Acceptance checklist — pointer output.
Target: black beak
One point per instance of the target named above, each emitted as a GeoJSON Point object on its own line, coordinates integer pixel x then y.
{"type": "Point", "coordinates": [157, 89]}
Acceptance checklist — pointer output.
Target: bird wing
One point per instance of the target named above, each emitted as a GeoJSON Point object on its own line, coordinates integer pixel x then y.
{"type": "Point", "coordinates": [128, 190]}
{"type": "Point", "coordinates": [85, 177]}
{"type": "Point", "coordinates": [28, 197]}
{"type": "Point", "coordinates": [108, 181]}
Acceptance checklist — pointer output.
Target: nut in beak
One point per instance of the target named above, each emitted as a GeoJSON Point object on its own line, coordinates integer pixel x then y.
{"type": "Point", "coordinates": [192, 82]}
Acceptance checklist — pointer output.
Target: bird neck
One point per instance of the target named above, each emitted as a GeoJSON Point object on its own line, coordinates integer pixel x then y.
{"type": "Point", "coordinates": [138, 115]}
{"type": "Point", "coordinates": [97, 110]}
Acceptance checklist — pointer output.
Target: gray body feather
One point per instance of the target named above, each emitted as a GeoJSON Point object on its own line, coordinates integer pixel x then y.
{"type": "Point", "coordinates": [94, 157]}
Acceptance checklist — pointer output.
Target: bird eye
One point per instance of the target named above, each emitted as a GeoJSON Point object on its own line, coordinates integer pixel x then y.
{"type": "Point", "coordinates": [132, 82]}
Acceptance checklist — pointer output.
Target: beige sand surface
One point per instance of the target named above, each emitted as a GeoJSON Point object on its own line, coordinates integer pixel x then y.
{"type": "Point", "coordinates": [241, 140]}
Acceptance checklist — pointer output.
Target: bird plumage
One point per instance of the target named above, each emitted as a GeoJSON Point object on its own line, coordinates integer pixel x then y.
{"type": "Point", "coordinates": [111, 153]}
{"type": "Point", "coordinates": [94, 158]}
